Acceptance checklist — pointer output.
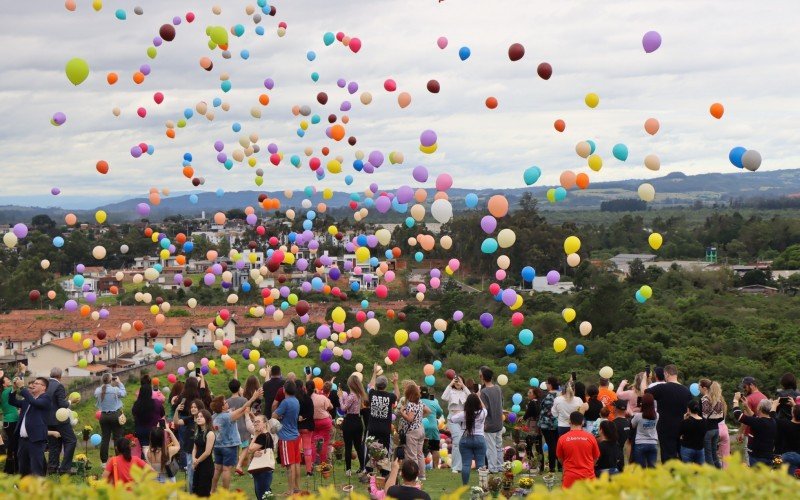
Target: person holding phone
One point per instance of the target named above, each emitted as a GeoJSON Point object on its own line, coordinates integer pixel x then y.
{"type": "Point", "coordinates": [109, 401]}
{"type": "Point", "coordinates": [787, 395]}
{"type": "Point", "coordinates": [10, 421]}
{"type": "Point", "coordinates": [455, 394]}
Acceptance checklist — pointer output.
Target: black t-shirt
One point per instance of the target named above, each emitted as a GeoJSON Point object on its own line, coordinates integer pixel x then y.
{"type": "Point", "coordinates": [532, 410]}
{"type": "Point", "coordinates": [407, 493]}
{"type": "Point", "coordinates": [271, 387]}
{"type": "Point", "coordinates": [672, 399]}
{"type": "Point", "coordinates": [788, 438]}
{"type": "Point", "coordinates": [784, 411]}
{"type": "Point", "coordinates": [265, 440]}
{"type": "Point", "coordinates": [623, 425]}
{"type": "Point", "coordinates": [609, 455]}
{"type": "Point", "coordinates": [380, 411]}
{"type": "Point", "coordinates": [307, 412]}
{"type": "Point", "coordinates": [334, 398]}
{"type": "Point", "coordinates": [593, 412]}
{"type": "Point", "coordinates": [693, 433]}
{"type": "Point", "coordinates": [189, 428]}
{"type": "Point", "coordinates": [762, 444]}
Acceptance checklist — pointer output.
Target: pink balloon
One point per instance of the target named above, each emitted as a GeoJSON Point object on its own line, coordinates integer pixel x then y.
{"type": "Point", "coordinates": [355, 44]}
{"type": "Point", "coordinates": [442, 42]}
{"type": "Point", "coordinates": [444, 182]}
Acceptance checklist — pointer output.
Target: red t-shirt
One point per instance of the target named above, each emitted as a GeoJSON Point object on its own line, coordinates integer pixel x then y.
{"type": "Point", "coordinates": [123, 468]}
{"type": "Point", "coordinates": [578, 451]}
{"type": "Point", "coordinates": [607, 397]}
{"type": "Point", "coordinates": [752, 401]}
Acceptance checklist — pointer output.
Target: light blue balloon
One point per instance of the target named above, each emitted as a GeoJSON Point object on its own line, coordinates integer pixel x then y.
{"type": "Point", "coordinates": [388, 254]}
{"type": "Point", "coordinates": [579, 349]}
{"type": "Point", "coordinates": [525, 337]}
{"type": "Point", "coordinates": [315, 76]}
{"type": "Point", "coordinates": [534, 382]}
{"type": "Point", "coordinates": [373, 261]}
{"type": "Point", "coordinates": [437, 365]}
{"type": "Point", "coordinates": [532, 175]}
{"type": "Point", "coordinates": [545, 447]}
{"type": "Point", "coordinates": [620, 152]}
{"type": "Point", "coordinates": [592, 145]}
{"type": "Point", "coordinates": [165, 243]}
{"type": "Point", "coordinates": [364, 304]}
{"type": "Point", "coordinates": [311, 55]}
{"type": "Point", "coordinates": [464, 53]}
{"type": "Point", "coordinates": [348, 179]}
{"type": "Point", "coordinates": [307, 225]}
{"type": "Point", "coordinates": [419, 256]}
{"type": "Point", "coordinates": [694, 389]}
{"type": "Point", "coordinates": [284, 305]}
{"type": "Point", "coordinates": [311, 215]}
{"type": "Point", "coordinates": [561, 193]}
{"type": "Point", "coordinates": [317, 283]}
{"type": "Point", "coordinates": [216, 102]}
{"type": "Point", "coordinates": [121, 15]}
{"type": "Point", "coordinates": [471, 200]}
{"type": "Point", "coordinates": [236, 127]}
{"type": "Point", "coordinates": [245, 54]}
{"type": "Point", "coordinates": [369, 203]}
{"type": "Point", "coordinates": [528, 273]}
{"type": "Point", "coordinates": [640, 298]}
{"type": "Point", "coordinates": [78, 280]}
{"type": "Point", "coordinates": [158, 267]}
{"type": "Point", "coordinates": [328, 38]}
{"type": "Point", "coordinates": [95, 439]}
{"type": "Point", "coordinates": [355, 286]}
{"type": "Point", "coordinates": [398, 207]}
{"type": "Point", "coordinates": [517, 398]}
{"type": "Point", "coordinates": [316, 371]}
{"type": "Point", "coordinates": [277, 341]}
{"type": "Point", "coordinates": [510, 349]}
{"type": "Point", "coordinates": [260, 30]}
{"type": "Point", "coordinates": [188, 113]}
{"type": "Point", "coordinates": [219, 192]}
{"type": "Point", "coordinates": [489, 245]}
{"type": "Point", "coordinates": [409, 224]}
{"type": "Point", "coordinates": [512, 368]}
{"type": "Point", "coordinates": [430, 380]}
{"type": "Point", "coordinates": [301, 132]}
{"type": "Point", "coordinates": [516, 409]}
{"type": "Point", "coordinates": [193, 199]}
{"type": "Point", "coordinates": [226, 86]}
{"type": "Point", "coordinates": [438, 336]}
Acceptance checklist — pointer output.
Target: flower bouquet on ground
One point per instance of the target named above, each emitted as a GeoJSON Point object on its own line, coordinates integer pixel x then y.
{"type": "Point", "coordinates": [507, 481]}
{"type": "Point", "coordinates": [82, 465]}
{"type": "Point", "coordinates": [476, 493]}
{"type": "Point", "coordinates": [87, 432]}
{"type": "Point", "coordinates": [269, 496]}
{"type": "Point", "coordinates": [338, 449]}
{"type": "Point", "coordinates": [526, 485]}
{"type": "Point", "coordinates": [494, 484]}
{"type": "Point", "coordinates": [325, 469]}
{"type": "Point", "coordinates": [376, 452]}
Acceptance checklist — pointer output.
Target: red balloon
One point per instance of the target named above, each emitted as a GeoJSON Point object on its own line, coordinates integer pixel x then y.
{"type": "Point", "coordinates": [517, 318]}
{"type": "Point", "coordinates": [381, 291]}
{"type": "Point", "coordinates": [393, 354]}
{"type": "Point", "coordinates": [189, 17]}
{"type": "Point", "coordinates": [355, 44]}
{"type": "Point", "coordinates": [494, 288]}
{"type": "Point", "coordinates": [35, 295]}
{"type": "Point", "coordinates": [158, 97]}
{"type": "Point", "coordinates": [302, 307]}
{"type": "Point", "coordinates": [516, 51]}
{"type": "Point", "coordinates": [167, 32]}
{"type": "Point", "coordinates": [101, 334]}
{"type": "Point", "coordinates": [390, 85]}
{"type": "Point", "coordinates": [361, 316]}
{"type": "Point", "coordinates": [433, 86]}
{"type": "Point", "coordinates": [153, 333]}
{"type": "Point", "coordinates": [450, 374]}
{"type": "Point", "coordinates": [545, 71]}
{"type": "Point", "coordinates": [559, 125]}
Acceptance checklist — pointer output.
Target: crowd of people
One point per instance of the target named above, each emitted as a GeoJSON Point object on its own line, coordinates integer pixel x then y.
{"type": "Point", "coordinates": [581, 431]}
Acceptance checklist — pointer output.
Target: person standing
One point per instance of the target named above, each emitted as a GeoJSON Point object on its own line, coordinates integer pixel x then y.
{"type": "Point", "coordinates": [693, 432]}
{"type": "Point", "coordinates": [607, 397]}
{"type": "Point", "coordinates": [381, 402]}
{"type": "Point", "coordinates": [591, 408]}
{"type": "Point", "coordinates": [32, 430]}
{"type": "Point", "coordinates": [262, 440]}
{"type": "Point", "coordinates": [564, 406]}
{"type": "Point", "coordinates": [610, 453]}
{"type": "Point", "coordinates": [118, 470]}
{"type": "Point", "coordinates": [622, 425]}
{"type": "Point", "coordinates": [713, 412]}
{"type": "Point", "coordinates": [352, 427]}
{"type": "Point", "coordinates": [787, 441]}
{"type": "Point", "coordinates": [227, 442]}
{"type": "Point", "coordinates": [271, 388]}
{"type": "Point", "coordinates": [473, 444]}
{"type": "Point", "coordinates": [753, 396]}
{"type": "Point", "coordinates": [431, 424]}
{"type": "Point", "coordinates": [763, 430]}
{"type": "Point", "coordinates": [412, 414]}
{"type": "Point", "coordinates": [548, 423]}
{"type": "Point", "coordinates": [533, 438]}
{"type": "Point", "coordinates": [645, 427]}
{"type": "Point", "coordinates": [671, 398]}
{"type": "Point", "coordinates": [492, 399]}
{"type": "Point", "coordinates": [787, 394]}
{"type": "Point", "coordinates": [109, 402]}
{"type": "Point", "coordinates": [202, 454]}
{"type": "Point", "coordinates": [183, 419]}
{"type": "Point", "coordinates": [66, 439]}
{"type": "Point", "coordinates": [288, 412]}
{"type": "Point", "coordinates": [578, 451]}
{"type": "Point", "coordinates": [323, 424]}
{"type": "Point", "coordinates": [10, 421]}
{"type": "Point", "coordinates": [147, 412]}
{"type": "Point", "coordinates": [456, 395]}
{"type": "Point", "coordinates": [305, 422]}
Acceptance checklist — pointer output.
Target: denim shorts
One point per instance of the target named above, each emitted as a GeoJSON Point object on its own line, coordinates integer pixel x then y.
{"type": "Point", "coordinates": [226, 456]}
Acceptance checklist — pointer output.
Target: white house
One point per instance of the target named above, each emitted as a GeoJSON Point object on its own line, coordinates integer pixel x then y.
{"type": "Point", "coordinates": [62, 353]}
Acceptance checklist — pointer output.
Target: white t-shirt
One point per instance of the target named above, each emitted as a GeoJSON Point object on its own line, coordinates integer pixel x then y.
{"type": "Point", "coordinates": [562, 409]}
{"type": "Point", "coordinates": [459, 418]}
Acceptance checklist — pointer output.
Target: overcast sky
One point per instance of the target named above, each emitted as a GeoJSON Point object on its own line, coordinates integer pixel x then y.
{"type": "Point", "coordinates": [740, 53]}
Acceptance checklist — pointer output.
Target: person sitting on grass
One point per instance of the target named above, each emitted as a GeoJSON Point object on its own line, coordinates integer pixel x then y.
{"type": "Point", "coordinates": [409, 489]}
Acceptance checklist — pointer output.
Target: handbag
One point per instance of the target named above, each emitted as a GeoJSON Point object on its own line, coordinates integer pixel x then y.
{"type": "Point", "coordinates": [122, 418]}
{"type": "Point", "coordinates": [264, 462]}
{"type": "Point", "coordinates": [173, 466]}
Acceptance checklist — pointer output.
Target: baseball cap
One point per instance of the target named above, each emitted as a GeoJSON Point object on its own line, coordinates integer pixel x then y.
{"type": "Point", "coordinates": [748, 381]}
{"type": "Point", "coordinates": [620, 404]}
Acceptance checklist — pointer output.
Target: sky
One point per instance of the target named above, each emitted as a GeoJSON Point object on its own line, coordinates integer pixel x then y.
{"type": "Point", "coordinates": [739, 53]}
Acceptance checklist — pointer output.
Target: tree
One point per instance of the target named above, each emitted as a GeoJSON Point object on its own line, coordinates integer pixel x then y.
{"type": "Point", "coordinates": [636, 272]}
{"type": "Point", "coordinates": [43, 223]}
{"type": "Point", "coordinates": [236, 213]}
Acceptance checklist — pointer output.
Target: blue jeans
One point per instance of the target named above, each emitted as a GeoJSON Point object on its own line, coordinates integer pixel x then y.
{"type": "Point", "coordinates": [645, 455]}
{"type": "Point", "coordinates": [752, 461]}
{"type": "Point", "coordinates": [262, 482]}
{"type": "Point", "coordinates": [562, 430]}
{"type": "Point", "coordinates": [689, 455]}
{"type": "Point", "coordinates": [471, 447]}
{"type": "Point", "coordinates": [793, 459]}
{"type": "Point", "coordinates": [189, 470]}
{"type": "Point", "coordinates": [711, 443]}
{"type": "Point", "coordinates": [455, 434]}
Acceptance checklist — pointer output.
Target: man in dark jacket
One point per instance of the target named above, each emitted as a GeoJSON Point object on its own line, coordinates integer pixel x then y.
{"type": "Point", "coordinates": [34, 407]}
{"type": "Point", "coordinates": [66, 438]}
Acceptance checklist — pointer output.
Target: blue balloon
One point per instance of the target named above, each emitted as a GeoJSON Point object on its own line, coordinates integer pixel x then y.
{"type": "Point", "coordinates": [579, 349]}
{"type": "Point", "coordinates": [640, 298]}
{"type": "Point", "coordinates": [373, 261]}
{"type": "Point", "coordinates": [516, 409]}
{"type": "Point", "coordinates": [315, 76]}
{"type": "Point", "coordinates": [526, 337]}
{"type": "Point", "coordinates": [292, 237]}
{"type": "Point", "coordinates": [246, 287]}
{"type": "Point", "coordinates": [489, 245]}
{"type": "Point", "coordinates": [58, 242]}
{"type": "Point", "coordinates": [438, 336]}
{"type": "Point", "coordinates": [216, 102]}
{"type": "Point", "coordinates": [512, 368]}
{"type": "Point", "coordinates": [545, 447]}
{"type": "Point", "coordinates": [561, 193]}
{"type": "Point", "coordinates": [592, 145]}
{"type": "Point", "coordinates": [188, 246]}
{"type": "Point", "coordinates": [534, 382]}
{"type": "Point", "coordinates": [398, 207]}
{"type": "Point", "coordinates": [369, 202]}
{"type": "Point", "coordinates": [464, 53]}
{"type": "Point", "coordinates": [620, 152]}
{"type": "Point", "coordinates": [471, 200]}
{"type": "Point", "coordinates": [316, 371]}
{"type": "Point", "coordinates": [410, 222]}
{"type": "Point", "coordinates": [510, 349]}
{"type": "Point", "coordinates": [437, 365]}
{"type": "Point", "coordinates": [259, 30]}
{"type": "Point", "coordinates": [388, 254]}
{"type": "Point", "coordinates": [419, 256]}
{"type": "Point", "coordinates": [121, 15]}
{"type": "Point", "coordinates": [219, 192]}
{"type": "Point", "coordinates": [307, 225]}
{"type": "Point", "coordinates": [364, 304]}
{"type": "Point", "coordinates": [430, 380]}
{"type": "Point", "coordinates": [361, 239]}
{"type": "Point", "coordinates": [348, 179]}
{"type": "Point", "coordinates": [735, 156]}
{"type": "Point", "coordinates": [277, 341]}
{"type": "Point", "coordinates": [311, 55]}
{"type": "Point", "coordinates": [187, 156]}
{"type": "Point", "coordinates": [528, 273]}
{"type": "Point", "coordinates": [193, 199]}
{"type": "Point", "coordinates": [516, 398]}
{"type": "Point", "coordinates": [355, 286]}
{"type": "Point", "coordinates": [245, 54]}
{"type": "Point", "coordinates": [532, 175]}
{"type": "Point", "coordinates": [358, 165]}
{"type": "Point", "coordinates": [95, 439]}
{"type": "Point", "coordinates": [317, 283]}
{"type": "Point", "coordinates": [193, 349]}
{"type": "Point", "coordinates": [694, 389]}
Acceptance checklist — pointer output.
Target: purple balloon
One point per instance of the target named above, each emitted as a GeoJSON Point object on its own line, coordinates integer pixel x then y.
{"type": "Point", "coordinates": [144, 69]}
{"type": "Point", "coordinates": [55, 191]}
{"type": "Point", "coordinates": [368, 168]}
{"type": "Point", "coordinates": [178, 279]}
{"type": "Point", "coordinates": [341, 82]}
{"type": "Point", "coordinates": [269, 83]}
{"type": "Point", "coordinates": [488, 224]}
{"type": "Point", "coordinates": [240, 264]}
{"type": "Point", "coordinates": [313, 245]}
{"type": "Point", "coordinates": [59, 118]}
{"type": "Point", "coordinates": [222, 157]}
{"type": "Point", "coordinates": [404, 194]}
{"type": "Point", "coordinates": [553, 277]}
{"type": "Point", "coordinates": [405, 351]}
{"type": "Point", "coordinates": [272, 148]}
{"type": "Point", "coordinates": [86, 287]}
{"type": "Point", "coordinates": [413, 336]}
{"type": "Point", "coordinates": [252, 219]}
{"type": "Point", "coordinates": [323, 332]}
{"type": "Point", "coordinates": [345, 106]}
{"type": "Point", "coordinates": [425, 326]}
{"type": "Point", "coordinates": [335, 367]}
{"type": "Point", "coordinates": [136, 151]}
{"type": "Point", "coordinates": [157, 41]}
{"type": "Point", "coordinates": [458, 316]}
{"type": "Point", "coordinates": [509, 297]}
{"type": "Point", "coordinates": [216, 269]}
{"type": "Point", "coordinates": [285, 291]}
{"type": "Point", "coordinates": [143, 209]}
{"type": "Point", "coordinates": [420, 174]}
{"type": "Point", "coordinates": [304, 319]}
{"type": "Point", "coordinates": [512, 417]}
{"type": "Point", "coordinates": [104, 313]}
{"type": "Point", "coordinates": [90, 298]}
{"type": "Point", "coordinates": [176, 20]}
{"type": "Point", "coordinates": [95, 351]}
{"type": "Point", "coordinates": [651, 41]}
{"type": "Point", "coordinates": [326, 355]}
{"type": "Point", "coordinates": [376, 158]}
{"type": "Point", "coordinates": [347, 354]}
{"type": "Point", "coordinates": [435, 273]}
{"type": "Point", "coordinates": [20, 230]}
{"type": "Point", "coordinates": [181, 371]}
{"type": "Point", "coordinates": [427, 138]}
{"type": "Point", "coordinates": [262, 361]}
{"type": "Point", "coordinates": [305, 287]}
{"type": "Point", "coordinates": [487, 320]}
{"type": "Point", "coordinates": [383, 204]}
{"type": "Point", "coordinates": [302, 264]}
{"type": "Point", "coordinates": [292, 354]}
{"type": "Point", "coordinates": [370, 314]}
{"type": "Point", "coordinates": [80, 268]}
{"type": "Point", "coordinates": [245, 353]}
{"type": "Point", "coordinates": [372, 240]}
{"type": "Point", "coordinates": [352, 87]}
{"type": "Point", "coordinates": [209, 279]}
{"type": "Point", "coordinates": [269, 310]}
{"type": "Point", "coordinates": [219, 145]}
{"type": "Point", "coordinates": [71, 305]}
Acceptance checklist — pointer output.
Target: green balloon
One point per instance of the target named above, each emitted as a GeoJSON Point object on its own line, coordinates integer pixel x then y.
{"type": "Point", "coordinates": [218, 35]}
{"type": "Point", "coordinates": [152, 52]}
{"type": "Point", "coordinates": [77, 70]}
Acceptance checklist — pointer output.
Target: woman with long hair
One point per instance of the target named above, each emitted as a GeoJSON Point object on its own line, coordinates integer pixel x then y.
{"type": "Point", "coordinates": [262, 440]}
{"type": "Point", "coordinates": [10, 419]}
{"type": "Point", "coordinates": [163, 446]}
{"type": "Point", "coordinates": [305, 423]}
{"type": "Point", "coordinates": [352, 427]}
{"type": "Point", "coordinates": [472, 444]}
{"type": "Point", "coordinates": [109, 401]}
{"type": "Point", "coordinates": [645, 451]}
{"type": "Point", "coordinates": [548, 423]}
{"type": "Point", "coordinates": [412, 414]}
{"type": "Point", "coordinates": [202, 460]}
{"type": "Point", "coordinates": [118, 469]}
{"type": "Point", "coordinates": [591, 408]}
{"type": "Point", "coordinates": [251, 385]}
{"type": "Point", "coordinates": [609, 450]}
{"type": "Point", "coordinates": [175, 397]}
{"type": "Point", "coordinates": [183, 420]}
{"type": "Point", "coordinates": [147, 412]}
{"type": "Point", "coordinates": [564, 405]}
{"type": "Point", "coordinates": [632, 393]}
{"type": "Point", "coordinates": [323, 425]}
{"type": "Point", "coordinates": [226, 445]}
{"type": "Point", "coordinates": [713, 411]}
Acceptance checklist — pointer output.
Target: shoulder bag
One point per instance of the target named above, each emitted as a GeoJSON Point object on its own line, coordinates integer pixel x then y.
{"type": "Point", "coordinates": [264, 462]}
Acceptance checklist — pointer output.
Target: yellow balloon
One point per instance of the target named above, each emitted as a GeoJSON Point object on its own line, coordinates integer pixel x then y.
{"type": "Point", "coordinates": [338, 315]}
{"type": "Point", "coordinates": [568, 314]}
{"type": "Point", "coordinates": [655, 240]}
{"type": "Point", "coordinates": [551, 195]}
{"type": "Point", "coordinates": [572, 244]}
{"type": "Point", "coordinates": [254, 355]}
{"type": "Point", "coordinates": [646, 291]}
{"type": "Point", "coordinates": [100, 216]}
{"type": "Point", "coordinates": [334, 167]}
{"type": "Point", "coordinates": [87, 343]}
{"type": "Point", "coordinates": [362, 254]}
{"type": "Point", "coordinates": [606, 372]}
{"type": "Point", "coordinates": [592, 100]}
{"type": "Point", "coordinates": [302, 351]}
{"type": "Point", "coordinates": [154, 309]}
{"type": "Point", "coordinates": [559, 344]}
{"type": "Point", "coordinates": [429, 149]}
{"type": "Point", "coordinates": [400, 337]}
{"type": "Point", "coordinates": [506, 238]}
{"type": "Point", "coordinates": [595, 163]}
{"type": "Point", "coordinates": [76, 337]}
{"type": "Point", "coordinates": [517, 303]}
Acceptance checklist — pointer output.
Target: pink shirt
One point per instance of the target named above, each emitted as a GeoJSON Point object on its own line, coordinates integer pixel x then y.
{"type": "Point", "coordinates": [321, 406]}
{"type": "Point", "coordinates": [351, 404]}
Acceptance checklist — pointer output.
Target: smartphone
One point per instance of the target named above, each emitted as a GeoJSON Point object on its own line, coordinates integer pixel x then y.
{"type": "Point", "coordinates": [197, 372]}
{"type": "Point", "coordinates": [400, 452]}
{"type": "Point", "coordinates": [307, 369]}
{"type": "Point", "coordinates": [162, 425]}
{"type": "Point", "coordinates": [783, 400]}
{"type": "Point", "coordinates": [647, 371]}
{"type": "Point", "coordinates": [574, 376]}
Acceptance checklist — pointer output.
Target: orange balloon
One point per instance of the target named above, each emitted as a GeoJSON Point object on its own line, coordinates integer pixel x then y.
{"type": "Point", "coordinates": [52, 294]}
{"type": "Point", "coordinates": [223, 350]}
{"type": "Point", "coordinates": [345, 119]}
{"type": "Point", "coordinates": [170, 133]}
{"type": "Point", "coordinates": [138, 325]}
{"type": "Point", "coordinates": [318, 383]}
{"type": "Point", "coordinates": [263, 99]}
{"type": "Point", "coordinates": [420, 195]}
{"type": "Point", "coordinates": [70, 219]}
{"type": "Point", "coordinates": [85, 310]}
{"type": "Point", "coordinates": [301, 330]}
{"type": "Point", "coordinates": [491, 102]}
{"type": "Point", "coordinates": [567, 179]}
{"type": "Point", "coordinates": [138, 77]}
{"type": "Point", "coordinates": [559, 125]}
{"type": "Point", "coordinates": [212, 255]}
{"type": "Point", "coordinates": [717, 110]}
{"type": "Point", "coordinates": [155, 381]}
{"type": "Point", "coordinates": [326, 289]}
{"type": "Point", "coordinates": [582, 180]}
{"type": "Point", "coordinates": [113, 289]}
{"type": "Point", "coordinates": [155, 198]}
{"type": "Point", "coordinates": [396, 252]}
{"type": "Point", "coordinates": [390, 314]}
{"type": "Point", "coordinates": [112, 78]}
{"type": "Point", "coordinates": [337, 132]}
{"type": "Point", "coordinates": [230, 363]}
{"type": "Point", "coordinates": [160, 318]}
{"type": "Point", "coordinates": [148, 232]}
{"type": "Point", "coordinates": [180, 260]}
{"type": "Point", "coordinates": [651, 126]}
{"type": "Point", "coordinates": [440, 195]}
{"type": "Point", "coordinates": [498, 206]}
{"type": "Point", "coordinates": [322, 208]}
{"type": "Point", "coordinates": [188, 172]}
{"type": "Point", "coordinates": [404, 99]}
{"type": "Point", "coordinates": [219, 218]}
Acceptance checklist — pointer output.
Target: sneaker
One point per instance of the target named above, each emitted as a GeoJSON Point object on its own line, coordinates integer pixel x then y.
{"type": "Point", "coordinates": [309, 474]}
{"type": "Point", "coordinates": [456, 472]}
{"type": "Point", "coordinates": [346, 473]}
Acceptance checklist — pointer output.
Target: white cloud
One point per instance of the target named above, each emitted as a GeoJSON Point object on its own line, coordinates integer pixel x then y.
{"type": "Point", "coordinates": [740, 53]}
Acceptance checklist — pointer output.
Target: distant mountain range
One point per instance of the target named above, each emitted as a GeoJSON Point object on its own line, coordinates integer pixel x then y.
{"type": "Point", "coordinates": [671, 190]}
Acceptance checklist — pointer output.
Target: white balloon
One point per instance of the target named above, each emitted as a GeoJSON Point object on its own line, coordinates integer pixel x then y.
{"type": "Point", "coordinates": [442, 210]}
{"type": "Point", "coordinates": [124, 249]}
{"type": "Point", "coordinates": [647, 192]}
